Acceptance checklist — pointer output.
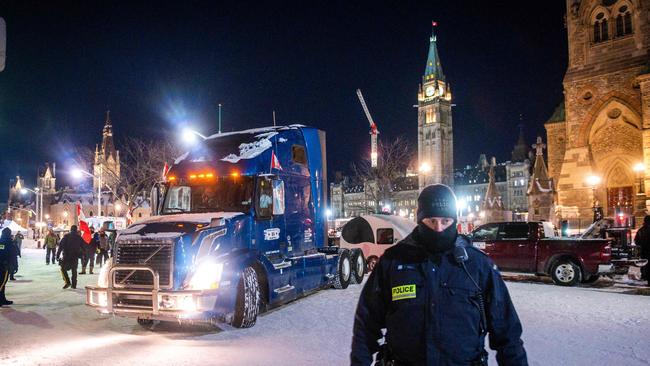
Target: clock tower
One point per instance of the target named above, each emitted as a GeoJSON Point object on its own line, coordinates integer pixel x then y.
{"type": "Point", "coordinates": [435, 134]}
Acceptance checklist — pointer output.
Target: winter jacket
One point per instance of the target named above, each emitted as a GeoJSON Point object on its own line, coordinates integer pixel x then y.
{"type": "Point", "coordinates": [71, 246]}
{"type": "Point", "coordinates": [8, 252]}
{"type": "Point", "coordinates": [50, 241]}
{"type": "Point", "coordinates": [642, 239]}
{"type": "Point", "coordinates": [103, 242]}
{"type": "Point", "coordinates": [431, 312]}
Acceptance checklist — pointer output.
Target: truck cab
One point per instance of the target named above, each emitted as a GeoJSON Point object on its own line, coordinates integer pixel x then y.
{"type": "Point", "coordinates": [241, 227]}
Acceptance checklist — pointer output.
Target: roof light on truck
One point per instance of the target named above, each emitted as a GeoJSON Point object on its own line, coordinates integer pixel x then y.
{"type": "Point", "coordinates": [192, 176]}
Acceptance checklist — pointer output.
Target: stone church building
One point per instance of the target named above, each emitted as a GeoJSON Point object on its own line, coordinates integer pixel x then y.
{"type": "Point", "coordinates": [599, 137]}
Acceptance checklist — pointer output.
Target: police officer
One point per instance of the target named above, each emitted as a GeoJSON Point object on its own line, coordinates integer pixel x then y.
{"type": "Point", "coordinates": [8, 260]}
{"type": "Point", "coordinates": [71, 246]}
{"type": "Point", "coordinates": [437, 297]}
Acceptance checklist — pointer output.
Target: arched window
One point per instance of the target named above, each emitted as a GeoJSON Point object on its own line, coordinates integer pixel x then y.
{"type": "Point", "coordinates": [601, 33]}
{"type": "Point", "coordinates": [623, 21]}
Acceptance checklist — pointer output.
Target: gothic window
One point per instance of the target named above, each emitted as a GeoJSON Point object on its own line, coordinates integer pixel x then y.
{"type": "Point", "coordinates": [623, 21]}
{"type": "Point", "coordinates": [601, 33]}
{"type": "Point", "coordinates": [430, 117]}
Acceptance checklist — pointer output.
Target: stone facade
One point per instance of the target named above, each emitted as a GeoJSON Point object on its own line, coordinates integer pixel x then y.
{"type": "Point", "coordinates": [604, 129]}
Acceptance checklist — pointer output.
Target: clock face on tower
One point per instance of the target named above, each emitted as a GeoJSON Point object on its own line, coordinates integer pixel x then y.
{"type": "Point", "coordinates": [429, 91]}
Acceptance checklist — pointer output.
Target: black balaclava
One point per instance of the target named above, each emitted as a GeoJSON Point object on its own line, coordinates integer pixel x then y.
{"type": "Point", "coordinates": [436, 200]}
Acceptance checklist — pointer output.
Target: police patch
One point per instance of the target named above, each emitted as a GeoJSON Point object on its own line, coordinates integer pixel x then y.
{"type": "Point", "coordinates": [403, 292]}
{"type": "Point", "coordinates": [2, 246]}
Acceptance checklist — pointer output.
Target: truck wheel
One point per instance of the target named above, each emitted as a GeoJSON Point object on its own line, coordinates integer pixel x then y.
{"type": "Point", "coordinates": [248, 300]}
{"type": "Point", "coordinates": [566, 273]}
{"type": "Point", "coordinates": [358, 266]}
{"type": "Point", "coordinates": [343, 271]}
{"type": "Point", "coordinates": [591, 279]}
{"type": "Point", "coordinates": [371, 263]}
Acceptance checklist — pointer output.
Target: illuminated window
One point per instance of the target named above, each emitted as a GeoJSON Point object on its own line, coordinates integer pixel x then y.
{"type": "Point", "coordinates": [430, 117]}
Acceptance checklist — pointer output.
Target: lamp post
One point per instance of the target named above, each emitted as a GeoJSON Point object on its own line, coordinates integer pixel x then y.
{"type": "Point", "coordinates": [39, 201]}
{"type": "Point", "coordinates": [593, 181]}
{"type": "Point", "coordinates": [640, 168]}
{"type": "Point", "coordinates": [78, 173]}
{"type": "Point", "coordinates": [640, 209]}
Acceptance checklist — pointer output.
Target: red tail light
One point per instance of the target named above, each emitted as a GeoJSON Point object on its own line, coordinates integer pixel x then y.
{"type": "Point", "coordinates": [606, 253]}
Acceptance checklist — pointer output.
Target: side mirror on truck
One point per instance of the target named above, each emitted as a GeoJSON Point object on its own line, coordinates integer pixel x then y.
{"type": "Point", "coordinates": [155, 198]}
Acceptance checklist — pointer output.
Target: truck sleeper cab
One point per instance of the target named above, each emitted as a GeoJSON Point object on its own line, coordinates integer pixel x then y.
{"type": "Point", "coordinates": [241, 227]}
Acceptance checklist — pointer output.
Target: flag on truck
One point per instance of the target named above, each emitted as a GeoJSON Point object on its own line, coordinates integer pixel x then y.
{"type": "Point", "coordinates": [84, 230]}
{"type": "Point", "coordinates": [275, 163]}
{"type": "Point", "coordinates": [165, 171]}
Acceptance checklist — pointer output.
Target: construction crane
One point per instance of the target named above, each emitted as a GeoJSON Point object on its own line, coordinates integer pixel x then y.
{"type": "Point", "coordinates": [373, 131]}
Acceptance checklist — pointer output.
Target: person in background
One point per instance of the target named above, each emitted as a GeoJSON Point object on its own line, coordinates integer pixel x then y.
{"type": "Point", "coordinates": [89, 250]}
{"type": "Point", "coordinates": [16, 242]}
{"type": "Point", "coordinates": [111, 243]}
{"type": "Point", "coordinates": [51, 241]}
{"type": "Point", "coordinates": [8, 259]}
{"type": "Point", "coordinates": [71, 247]}
{"type": "Point", "coordinates": [642, 239]}
{"type": "Point", "coordinates": [102, 255]}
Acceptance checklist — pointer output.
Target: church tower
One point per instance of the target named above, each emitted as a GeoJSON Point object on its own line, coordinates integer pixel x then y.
{"type": "Point", "coordinates": [435, 134]}
{"type": "Point", "coordinates": [107, 159]}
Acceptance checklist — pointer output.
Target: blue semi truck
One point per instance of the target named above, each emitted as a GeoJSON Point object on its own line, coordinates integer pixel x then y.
{"type": "Point", "coordinates": [240, 227]}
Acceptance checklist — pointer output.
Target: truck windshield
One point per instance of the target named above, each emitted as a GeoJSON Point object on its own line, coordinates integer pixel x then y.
{"type": "Point", "coordinates": [221, 194]}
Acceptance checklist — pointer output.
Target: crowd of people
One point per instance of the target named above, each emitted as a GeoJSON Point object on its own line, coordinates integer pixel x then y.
{"type": "Point", "coordinates": [68, 251]}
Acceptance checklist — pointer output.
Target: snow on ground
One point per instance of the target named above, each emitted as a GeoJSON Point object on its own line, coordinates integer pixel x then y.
{"type": "Point", "coordinates": [51, 326]}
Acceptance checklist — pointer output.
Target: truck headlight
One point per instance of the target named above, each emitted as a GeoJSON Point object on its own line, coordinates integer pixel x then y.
{"type": "Point", "coordinates": [102, 280]}
{"type": "Point", "coordinates": [206, 276]}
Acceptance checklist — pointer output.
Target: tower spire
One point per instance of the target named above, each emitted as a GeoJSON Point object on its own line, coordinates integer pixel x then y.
{"type": "Point", "coordinates": [433, 69]}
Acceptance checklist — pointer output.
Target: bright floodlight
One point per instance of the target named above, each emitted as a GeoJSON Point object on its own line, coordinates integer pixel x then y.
{"type": "Point", "coordinates": [328, 212]}
{"type": "Point", "coordinates": [593, 180]}
{"type": "Point", "coordinates": [23, 191]}
{"type": "Point", "coordinates": [189, 136]}
{"type": "Point", "coordinates": [461, 204]}
{"type": "Point", "coordinates": [425, 168]}
{"type": "Point", "coordinates": [639, 167]}
{"type": "Point", "coordinates": [77, 173]}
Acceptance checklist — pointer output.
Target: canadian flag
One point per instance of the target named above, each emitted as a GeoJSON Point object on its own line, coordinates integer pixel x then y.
{"type": "Point", "coordinates": [165, 170]}
{"type": "Point", "coordinates": [84, 230]}
{"type": "Point", "coordinates": [275, 163]}
{"type": "Point", "coordinates": [129, 217]}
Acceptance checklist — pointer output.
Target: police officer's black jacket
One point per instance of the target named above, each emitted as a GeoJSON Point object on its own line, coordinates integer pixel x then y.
{"type": "Point", "coordinates": [430, 311]}
{"type": "Point", "coordinates": [71, 245]}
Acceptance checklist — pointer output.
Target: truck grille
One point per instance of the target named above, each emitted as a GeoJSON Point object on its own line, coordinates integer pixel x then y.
{"type": "Point", "coordinates": [158, 256]}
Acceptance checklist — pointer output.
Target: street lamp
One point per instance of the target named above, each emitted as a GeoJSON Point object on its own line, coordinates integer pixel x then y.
{"type": "Point", "coordinates": [39, 201]}
{"type": "Point", "coordinates": [189, 136]}
{"type": "Point", "coordinates": [460, 205]}
{"type": "Point", "coordinates": [639, 168]}
{"type": "Point", "coordinates": [594, 181]}
{"type": "Point", "coordinates": [79, 173]}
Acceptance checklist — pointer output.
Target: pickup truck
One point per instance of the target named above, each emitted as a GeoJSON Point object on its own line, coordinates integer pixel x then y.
{"type": "Point", "coordinates": [534, 247]}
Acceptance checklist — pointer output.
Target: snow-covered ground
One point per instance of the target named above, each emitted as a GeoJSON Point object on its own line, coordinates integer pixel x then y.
{"type": "Point", "coordinates": [51, 326]}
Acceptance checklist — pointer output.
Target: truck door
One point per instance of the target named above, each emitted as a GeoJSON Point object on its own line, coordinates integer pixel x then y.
{"type": "Point", "coordinates": [514, 244]}
{"type": "Point", "coordinates": [269, 235]}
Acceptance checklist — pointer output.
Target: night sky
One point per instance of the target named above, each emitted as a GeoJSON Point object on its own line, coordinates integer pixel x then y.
{"type": "Point", "coordinates": [159, 66]}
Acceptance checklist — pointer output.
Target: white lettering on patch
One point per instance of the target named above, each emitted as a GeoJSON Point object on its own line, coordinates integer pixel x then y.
{"type": "Point", "coordinates": [272, 234]}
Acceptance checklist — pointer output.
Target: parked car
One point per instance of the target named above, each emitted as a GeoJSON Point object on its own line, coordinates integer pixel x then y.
{"type": "Point", "coordinates": [535, 247]}
{"type": "Point", "coordinates": [373, 234]}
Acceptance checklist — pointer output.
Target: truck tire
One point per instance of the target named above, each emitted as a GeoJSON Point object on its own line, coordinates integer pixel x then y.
{"type": "Point", "coordinates": [358, 262]}
{"type": "Point", "coordinates": [591, 279]}
{"type": "Point", "coordinates": [247, 305]}
{"type": "Point", "coordinates": [566, 273]}
{"type": "Point", "coordinates": [343, 270]}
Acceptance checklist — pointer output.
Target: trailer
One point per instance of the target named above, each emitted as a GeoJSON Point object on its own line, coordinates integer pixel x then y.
{"type": "Point", "coordinates": [240, 227]}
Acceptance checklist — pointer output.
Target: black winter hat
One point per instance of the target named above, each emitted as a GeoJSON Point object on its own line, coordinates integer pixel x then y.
{"type": "Point", "coordinates": [436, 200]}
{"type": "Point", "coordinates": [73, 228]}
